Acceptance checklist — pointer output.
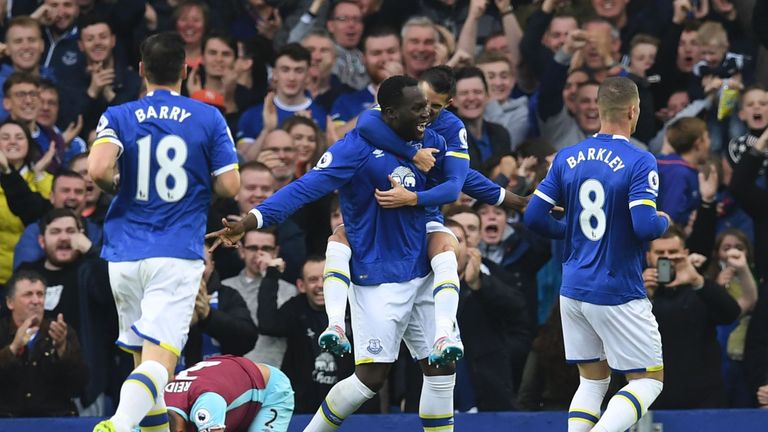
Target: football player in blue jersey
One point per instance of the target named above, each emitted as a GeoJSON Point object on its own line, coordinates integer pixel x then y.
{"type": "Point", "coordinates": [445, 182]}
{"type": "Point", "coordinates": [608, 188]}
{"type": "Point", "coordinates": [391, 291]}
{"type": "Point", "coordinates": [171, 153]}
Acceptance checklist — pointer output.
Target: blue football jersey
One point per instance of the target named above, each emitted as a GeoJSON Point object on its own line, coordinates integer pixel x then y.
{"type": "Point", "coordinates": [170, 147]}
{"type": "Point", "coordinates": [598, 181]}
{"type": "Point", "coordinates": [251, 121]}
{"type": "Point", "coordinates": [349, 105]}
{"type": "Point", "coordinates": [389, 244]}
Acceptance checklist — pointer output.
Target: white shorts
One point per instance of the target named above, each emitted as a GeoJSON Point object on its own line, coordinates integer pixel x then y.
{"type": "Point", "coordinates": [155, 298]}
{"type": "Point", "coordinates": [627, 335]}
{"type": "Point", "coordinates": [383, 315]}
{"type": "Point", "coordinates": [434, 226]}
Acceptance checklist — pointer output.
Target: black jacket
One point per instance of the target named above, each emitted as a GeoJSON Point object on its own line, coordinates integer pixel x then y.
{"type": "Point", "coordinates": [230, 324]}
{"type": "Point", "coordinates": [687, 322]}
{"type": "Point", "coordinates": [98, 326]}
{"type": "Point", "coordinates": [312, 373]}
{"type": "Point", "coordinates": [494, 328]}
{"type": "Point", "coordinates": [756, 347]}
{"type": "Point", "coordinates": [754, 201]}
{"type": "Point", "coordinates": [37, 382]}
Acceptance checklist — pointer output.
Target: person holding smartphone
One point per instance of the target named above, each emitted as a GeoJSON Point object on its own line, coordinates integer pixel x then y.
{"type": "Point", "coordinates": [687, 307]}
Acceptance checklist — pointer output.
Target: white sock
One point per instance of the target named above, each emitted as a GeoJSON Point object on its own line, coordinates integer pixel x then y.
{"type": "Point", "coordinates": [629, 405]}
{"type": "Point", "coordinates": [584, 411]}
{"type": "Point", "coordinates": [156, 419]}
{"type": "Point", "coordinates": [436, 404]}
{"type": "Point", "coordinates": [446, 292]}
{"type": "Point", "coordinates": [343, 399]}
{"type": "Point", "coordinates": [139, 393]}
{"type": "Point", "coordinates": [336, 282]}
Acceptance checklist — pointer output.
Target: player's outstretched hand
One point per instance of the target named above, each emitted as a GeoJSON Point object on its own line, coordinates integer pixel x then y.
{"type": "Point", "coordinates": [396, 197]}
{"type": "Point", "coordinates": [425, 159]}
{"type": "Point", "coordinates": [229, 236]}
{"type": "Point", "coordinates": [660, 213]}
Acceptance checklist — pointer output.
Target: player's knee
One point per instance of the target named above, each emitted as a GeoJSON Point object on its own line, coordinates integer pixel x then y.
{"type": "Point", "coordinates": [434, 370]}
{"type": "Point", "coordinates": [372, 375]}
{"type": "Point", "coordinates": [440, 242]}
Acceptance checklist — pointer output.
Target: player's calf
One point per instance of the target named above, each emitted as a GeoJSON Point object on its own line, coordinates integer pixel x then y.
{"type": "Point", "coordinates": [336, 282]}
{"type": "Point", "coordinates": [447, 347]}
{"type": "Point", "coordinates": [631, 402]}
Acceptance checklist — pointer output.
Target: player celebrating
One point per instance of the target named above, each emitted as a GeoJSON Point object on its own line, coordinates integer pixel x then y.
{"type": "Point", "coordinates": [445, 183]}
{"type": "Point", "coordinates": [167, 148]}
{"type": "Point", "coordinates": [608, 188]}
{"type": "Point", "coordinates": [228, 393]}
{"type": "Point", "coordinates": [391, 294]}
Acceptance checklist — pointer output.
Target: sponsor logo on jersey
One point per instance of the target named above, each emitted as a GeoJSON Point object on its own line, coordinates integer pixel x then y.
{"type": "Point", "coordinates": [102, 123]}
{"type": "Point", "coordinates": [202, 416]}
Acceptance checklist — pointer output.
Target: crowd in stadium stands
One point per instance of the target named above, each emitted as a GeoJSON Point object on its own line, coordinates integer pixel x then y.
{"type": "Point", "coordinates": [291, 77]}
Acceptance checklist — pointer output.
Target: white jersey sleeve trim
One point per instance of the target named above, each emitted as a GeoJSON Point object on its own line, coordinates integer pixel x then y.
{"type": "Point", "coordinates": [502, 195]}
{"type": "Point", "coordinates": [224, 169]}
{"type": "Point", "coordinates": [259, 218]}
{"type": "Point", "coordinates": [544, 196]}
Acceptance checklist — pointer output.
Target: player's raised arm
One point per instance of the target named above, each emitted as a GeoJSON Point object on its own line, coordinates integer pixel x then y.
{"type": "Point", "coordinates": [333, 170]}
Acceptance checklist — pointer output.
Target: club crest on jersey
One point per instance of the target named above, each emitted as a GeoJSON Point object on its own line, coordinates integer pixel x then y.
{"type": "Point", "coordinates": [374, 346]}
{"type": "Point", "coordinates": [404, 176]}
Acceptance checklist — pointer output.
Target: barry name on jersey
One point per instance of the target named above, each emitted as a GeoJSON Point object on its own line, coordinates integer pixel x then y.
{"type": "Point", "coordinates": [166, 113]}
{"type": "Point", "coordinates": [599, 154]}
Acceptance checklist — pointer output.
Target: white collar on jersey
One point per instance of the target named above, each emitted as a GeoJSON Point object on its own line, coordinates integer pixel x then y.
{"type": "Point", "coordinates": [169, 91]}
{"type": "Point", "coordinates": [372, 88]}
{"type": "Point", "coordinates": [621, 137]}
{"type": "Point", "coordinates": [292, 108]}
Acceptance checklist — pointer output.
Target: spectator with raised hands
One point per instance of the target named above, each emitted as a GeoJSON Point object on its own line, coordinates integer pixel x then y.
{"type": "Point", "coordinates": [478, 21]}
{"type": "Point", "coordinates": [19, 164]}
{"type": "Point", "coordinates": [545, 33]}
{"type": "Point", "coordinates": [215, 81]}
{"type": "Point", "coordinates": [512, 113]}
{"type": "Point", "coordinates": [59, 21]}
{"type": "Point", "coordinates": [752, 198]}
{"type": "Point", "coordinates": [259, 250]}
{"type": "Point", "coordinates": [289, 76]}
{"type": "Point", "coordinates": [688, 309]}
{"type": "Point", "coordinates": [730, 267]}
{"type": "Point", "coordinates": [48, 117]}
{"type": "Point", "coordinates": [678, 52]}
{"type": "Point", "coordinates": [382, 59]}
{"type": "Point", "coordinates": [40, 362]}
{"type": "Point", "coordinates": [324, 86]}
